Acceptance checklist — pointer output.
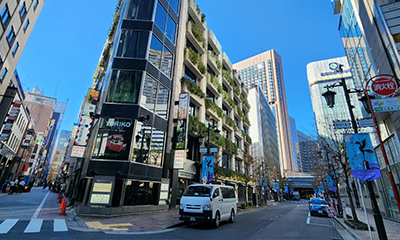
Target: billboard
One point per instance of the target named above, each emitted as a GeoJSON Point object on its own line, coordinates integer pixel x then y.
{"type": "Point", "coordinates": [207, 171]}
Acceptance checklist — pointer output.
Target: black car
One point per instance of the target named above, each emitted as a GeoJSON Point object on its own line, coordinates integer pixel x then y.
{"type": "Point", "coordinates": [318, 207]}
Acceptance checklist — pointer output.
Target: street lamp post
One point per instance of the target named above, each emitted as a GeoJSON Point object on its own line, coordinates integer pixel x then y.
{"type": "Point", "coordinates": [329, 97]}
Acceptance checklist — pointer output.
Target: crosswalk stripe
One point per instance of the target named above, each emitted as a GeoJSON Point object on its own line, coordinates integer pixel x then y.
{"type": "Point", "coordinates": [7, 225]}
{"type": "Point", "coordinates": [34, 226]}
{"type": "Point", "coordinates": [60, 225]}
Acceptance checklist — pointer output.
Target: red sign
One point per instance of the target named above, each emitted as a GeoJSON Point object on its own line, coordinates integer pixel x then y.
{"type": "Point", "coordinates": [384, 86]}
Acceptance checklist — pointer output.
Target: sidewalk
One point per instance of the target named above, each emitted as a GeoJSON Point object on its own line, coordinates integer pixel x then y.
{"type": "Point", "coordinates": [152, 221]}
{"type": "Point", "coordinates": [392, 227]}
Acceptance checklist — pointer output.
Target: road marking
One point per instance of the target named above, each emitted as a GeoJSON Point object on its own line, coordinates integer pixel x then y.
{"type": "Point", "coordinates": [34, 226]}
{"type": "Point", "coordinates": [114, 227]}
{"type": "Point", "coordinates": [308, 218]}
{"type": "Point", "coordinates": [35, 215]}
{"type": "Point", "coordinates": [60, 225]}
{"type": "Point", "coordinates": [322, 225]}
{"type": "Point", "coordinates": [7, 225]}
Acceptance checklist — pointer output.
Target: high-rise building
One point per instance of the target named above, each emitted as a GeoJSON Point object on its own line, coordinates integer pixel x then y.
{"type": "Point", "coordinates": [293, 132]}
{"type": "Point", "coordinates": [370, 35]}
{"type": "Point", "coordinates": [155, 51]}
{"type": "Point", "coordinates": [265, 70]}
{"type": "Point", "coordinates": [59, 155]}
{"type": "Point", "coordinates": [308, 153]}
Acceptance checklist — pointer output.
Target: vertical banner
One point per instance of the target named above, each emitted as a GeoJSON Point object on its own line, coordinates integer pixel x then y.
{"type": "Point", "coordinates": [181, 130]}
{"type": "Point", "coordinates": [363, 162]}
{"type": "Point", "coordinates": [276, 187]}
{"type": "Point", "coordinates": [207, 171]}
{"type": "Point", "coordinates": [286, 189]}
{"type": "Point", "coordinates": [331, 183]}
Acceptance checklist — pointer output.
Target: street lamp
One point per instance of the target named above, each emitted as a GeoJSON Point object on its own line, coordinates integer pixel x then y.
{"type": "Point", "coordinates": [329, 97]}
{"type": "Point", "coordinates": [216, 132]}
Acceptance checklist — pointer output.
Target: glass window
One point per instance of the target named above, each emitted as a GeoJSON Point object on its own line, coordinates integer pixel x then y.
{"type": "Point", "coordinates": [35, 4]}
{"type": "Point", "coordinates": [15, 49]}
{"type": "Point", "coordinates": [149, 93]}
{"type": "Point", "coordinates": [140, 9]}
{"type": "Point", "coordinates": [132, 44]}
{"type": "Point", "coordinates": [156, 148]}
{"type": "Point", "coordinates": [11, 35]}
{"type": "Point", "coordinates": [166, 64]}
{"type": "Point", "coordinates": [124, 87]}
{"type": "Point", "coordinates": [142, 143]}
{"type": "Point", "coordinates": [162, 101]}
{"type": "Point", "coordinates": [155, 51]}
{"type": "Point", "coordinates": [175, 5]}
{"type": "Point", "coordinates": [113, 139]}
{"type": "Point", "coordinates": [141, 193]}
{"type": "Point", "coordinates": [5, 15]}
{"type": "Point", "coordinates": [26, 25]}
{"type": "Point", "coordinates": [161, 16]}
{"type": "Point", "coordinates": [171, 28]}
{"type": "Point", "coordinates": [3, 74]}
{"type": "Point", "coordinates": [22, 10]}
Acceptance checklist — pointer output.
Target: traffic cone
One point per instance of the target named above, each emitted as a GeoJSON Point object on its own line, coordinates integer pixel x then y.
{"type": "Point", "coordinates": [59, 197]}
{"type": "Point", "coordinates": [63, 207]}
{"type": "Point", "coordinates": [63, 201]}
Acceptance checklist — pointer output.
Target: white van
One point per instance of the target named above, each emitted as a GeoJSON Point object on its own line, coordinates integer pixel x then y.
{"type": "Point", "coordinates": [208, 203]}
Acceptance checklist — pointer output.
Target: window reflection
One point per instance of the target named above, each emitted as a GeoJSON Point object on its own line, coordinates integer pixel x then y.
{"type": "Point", "coordinates": [156, 148]}
{"type": "Point", "coordinates": [149, 93]}
{"type": "Point", "coordinates": [170, 31]}
{"type": "Point", "coordinates": [155, 51]}
{"type": "Point", "coordinates": [140, 9]}
{"type": "Point", "coordinates": [132, 44]}
{"type": "Point", "coordinates": [175, 5]}
{"type": "Point", "coordinates": [161, 16]}
{"type": "Point", "coordinates": [166, 64]}
{"type": "Point", "coordinates": [162, 101]}
{"type": "Point", "coordinates": [124, 87]}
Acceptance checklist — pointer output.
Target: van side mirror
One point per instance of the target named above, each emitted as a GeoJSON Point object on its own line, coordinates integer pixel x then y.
{"type": "Point", "coordinates": [211, 198]}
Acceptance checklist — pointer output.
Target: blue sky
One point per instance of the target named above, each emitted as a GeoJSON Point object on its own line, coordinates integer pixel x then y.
{"type": "Point", "coordinates": [63, 50]}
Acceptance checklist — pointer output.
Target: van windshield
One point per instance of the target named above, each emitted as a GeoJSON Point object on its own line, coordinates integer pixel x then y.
{"type": "Point", "coordinates": [198, 191]}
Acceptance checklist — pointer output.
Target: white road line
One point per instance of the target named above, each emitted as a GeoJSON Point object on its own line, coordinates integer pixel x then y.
{"type": "Point", "coordinates": [309, 218]}
{"type": "Point", "coordinates": [34, 226]}
{"type": "Point", "coordinates": [60, 225]}
{"type": "Point", "coordinates": [322, 225]}
{"type": "Point", "coordinates": [40, 206]}
{"type": "Point", "coordinates": [7, 225]}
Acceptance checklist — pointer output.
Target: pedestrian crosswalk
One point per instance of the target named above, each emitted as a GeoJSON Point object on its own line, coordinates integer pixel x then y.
{"type": "Point", "coordinates": [33, 225]}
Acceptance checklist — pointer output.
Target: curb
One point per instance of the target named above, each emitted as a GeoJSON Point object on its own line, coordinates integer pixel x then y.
{"type": "Point", "coordinates": [348, 229]}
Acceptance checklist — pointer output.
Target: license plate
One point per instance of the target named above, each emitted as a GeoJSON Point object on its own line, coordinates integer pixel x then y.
{"type": "Point", "coordinates": [193, 219]}
{"type": "Point", "coordinates": [319, 211]}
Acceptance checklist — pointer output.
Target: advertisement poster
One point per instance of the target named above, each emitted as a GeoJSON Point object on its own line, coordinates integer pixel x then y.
{"type": "Point", "coordinates": [331, 183]}
{"type": "Point", "coordinates": [363, 162]}
{"type": "Point", "coordinates": [207, 173]}
{"type": "Point", "coordinates": [276, 187]}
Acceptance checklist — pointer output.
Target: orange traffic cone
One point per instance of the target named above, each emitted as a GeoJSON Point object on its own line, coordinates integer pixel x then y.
{"type": "Point", "coordinates": [59, 197]}
{"type": "Point", "coordinates": [63, 207]}
{"type": "Point", "coordinates": [63, 201]}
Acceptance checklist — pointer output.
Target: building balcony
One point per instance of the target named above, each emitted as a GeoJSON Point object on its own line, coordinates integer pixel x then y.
{"type": "Point", "coordinates": [192, 67]}
{"type": "Point", "coordinates": [212, 40]}
{"type": "Point", "coordinates": [211, 61]}
{"type": "Point", "coordinates": [193, 97]}
{"type": "Point", "coordinates": [191, 36]}
{"type": "Point", "coordinates": [211, 86]}
{"type": "Point", "coordinates": [236, 79]}
{"type": "Point", "coordinates": [226, 62]}
{"type": "Point", "coordinates": [196, 15]}
{"type": "Point", "coordinates": [226, 123]}
{"type": "Point", "coordinates": [240, 154]}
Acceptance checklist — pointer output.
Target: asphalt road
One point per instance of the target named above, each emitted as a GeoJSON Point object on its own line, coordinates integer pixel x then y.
{"type": "Point", "coordinates": [280, 221]}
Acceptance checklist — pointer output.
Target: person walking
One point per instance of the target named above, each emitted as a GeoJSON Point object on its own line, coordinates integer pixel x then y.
{"type": "Point", "coordinates": [11, 189]}
{"type": "Point", "coordinates": [44, 185]}
{"type": "Point", "coordinates": [21, 185]}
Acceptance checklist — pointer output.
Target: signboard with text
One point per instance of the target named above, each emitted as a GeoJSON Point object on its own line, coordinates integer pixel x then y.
{"type": "Point", "coordinates": [386, 104]}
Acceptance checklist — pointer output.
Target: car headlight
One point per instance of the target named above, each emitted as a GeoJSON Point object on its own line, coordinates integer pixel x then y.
{"type": "Point", "coordinates": [207, 207]}
{"type": "Point", "coordinates": [182, 206]}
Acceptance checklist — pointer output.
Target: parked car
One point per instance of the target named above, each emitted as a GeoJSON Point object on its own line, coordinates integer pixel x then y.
{"type": "Point", "coordinates": [318, 207]}
{"type": "Point", "coordinates": [208, 203]}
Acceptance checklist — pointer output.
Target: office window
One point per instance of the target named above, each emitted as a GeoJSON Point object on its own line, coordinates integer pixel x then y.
{"type": "Point", "coordinates": [3, 74]}
{"type": "Point", "coordinates": [22, 11]}
{"type": "Point", "coordinates": [11, 36]}
{"type": "Point", "coordinates": [166, 63]}
{"type": "Point", "coordinates": [132, 44]}
{"type": "Point", "coordinates": [26, 25]}
{"type": "Point", "coordinates": [15, 49]}
{"type": "Point", "coordinates": [5, 16]}
{"type": "Point", "coordinates": [161, 16]}
{"type": "Point", "coordinates": [155, 51]}
{"type": "Point", "coordinates": [174, 4]}
{"type": "Point", "coordinates": [171, 29]}
{"type": "Point", "coordinates": [124, 87]}
{"type": "Point", "coordinates": [139, 10]}
{"type": "Point", "coordinates": [35, 4]}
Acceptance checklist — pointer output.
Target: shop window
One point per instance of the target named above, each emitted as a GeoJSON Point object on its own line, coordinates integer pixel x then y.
{"type": "Point", "coordinates": [124, 87]}
{"type": "Point", "coordinates": [113, 140]}
{"type": "Point", "coordinates": [139, 10]}
{"type": "Point", "coordinates": [132, 44]}
{"type": "Point", "coordinates": [141, 193]}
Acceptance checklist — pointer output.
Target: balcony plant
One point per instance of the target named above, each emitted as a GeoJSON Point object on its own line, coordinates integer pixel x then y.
{"type": "Point", "coordinates": [192, 87]}
{"type": "Point", "coordinates": [211, 105]}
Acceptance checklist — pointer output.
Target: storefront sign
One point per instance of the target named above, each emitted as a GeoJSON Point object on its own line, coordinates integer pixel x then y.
{"type": "Point", "coordinates": [182, 121]}
{"type": "Point", "coordinates": [179, 160]}
{"type": "Point", "coordinates": [363, 162]}
{"type": "Point", "coordinates": [102, 190]}
{"type": "Point", "coordinates": [386, 104]}
{"type": "Point", "coordinates": [77, 151]}
{"type": "Point", "coordinates": [341, 124]}
{"type": "Point", "coordinates": [384, 86]}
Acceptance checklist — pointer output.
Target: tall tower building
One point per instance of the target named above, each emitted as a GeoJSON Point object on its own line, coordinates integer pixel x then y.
{"type": "Point", "coordinates": [265, 70]}
{"type": "Point", "coordinates": [308, 149]}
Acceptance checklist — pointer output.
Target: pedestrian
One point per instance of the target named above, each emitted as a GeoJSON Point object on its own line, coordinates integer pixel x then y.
{"type": "Point", "coordinates": [21, 185]}
{"type": "Point", "coordinates": [16, 185]}
{"type": "Point", "coordinates": [11, 187]}
{"type": "Point", "coordinates": [44, 186]}
{"type": "Point", "coordinates": [63, 187]}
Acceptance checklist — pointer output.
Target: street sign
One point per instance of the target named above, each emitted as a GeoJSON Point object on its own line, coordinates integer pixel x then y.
{"type": "Point", "coordinates": [386, 104]}
{"type": "Point", "coordinates": [212, 150]}
{"type": "Point", "coordinates": [368, 122]}
{"type": "Point", "coordinates": [331, 211]}
{"type": "Point", "coordinates": [341, 124]}
{"type": "Point", "coordinates": [384, 86]}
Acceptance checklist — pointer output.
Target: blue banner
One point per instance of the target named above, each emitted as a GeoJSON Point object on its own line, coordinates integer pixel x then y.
{"type": "Point", "coordinates": [264, 183]}
{"type": "Point", "coordinates": [286, 189]}
{"type": "Point", "coordinates": [207, 173]}
{"type": "Point", "coordinates": [363, 162]}
{"type": "Point", "coordinates": [331, 184]}
{"type": "Point", "coordinates": [276, 187]}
